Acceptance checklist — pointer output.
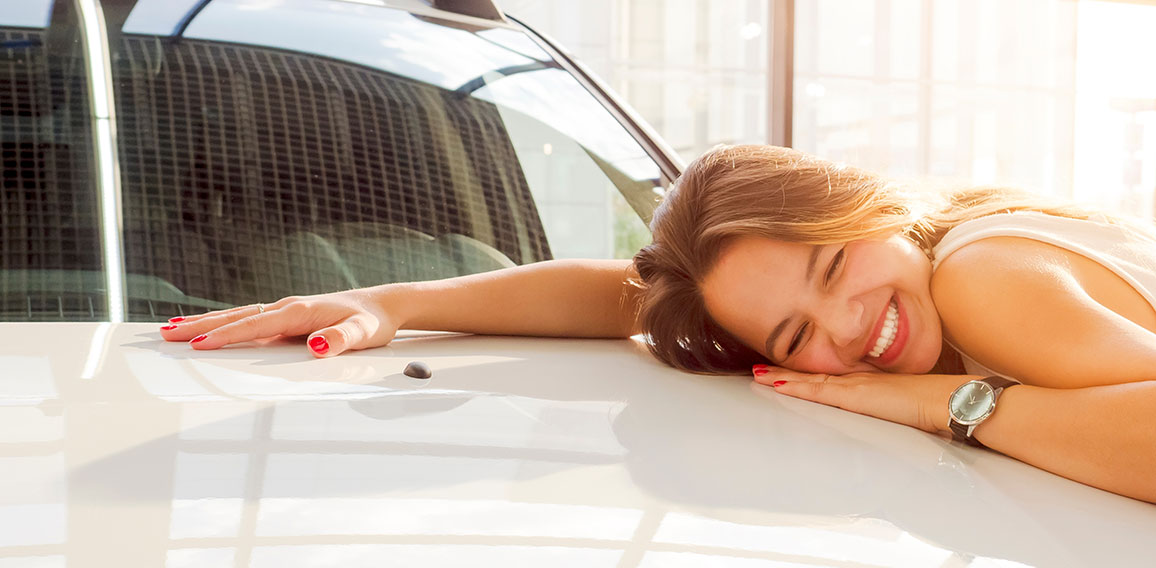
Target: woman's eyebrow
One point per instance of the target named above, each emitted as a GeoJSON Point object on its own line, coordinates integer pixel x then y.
{"type": "Point", "coordinates": [812, 260]}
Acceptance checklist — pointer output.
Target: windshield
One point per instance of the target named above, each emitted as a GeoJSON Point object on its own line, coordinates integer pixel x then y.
{"type": "Point", "coordinates": [267, 149]}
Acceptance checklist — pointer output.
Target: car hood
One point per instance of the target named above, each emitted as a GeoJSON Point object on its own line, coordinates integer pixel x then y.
{"type": "Point", "coordinates": [118, 449]}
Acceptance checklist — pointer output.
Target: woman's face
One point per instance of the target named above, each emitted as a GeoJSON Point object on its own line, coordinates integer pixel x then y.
{"type": "Point", "coordinates": [834, 309]}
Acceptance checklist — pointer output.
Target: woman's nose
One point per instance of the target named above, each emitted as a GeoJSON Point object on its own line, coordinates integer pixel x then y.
{"type": "Point", "coordinates": [844, 322]}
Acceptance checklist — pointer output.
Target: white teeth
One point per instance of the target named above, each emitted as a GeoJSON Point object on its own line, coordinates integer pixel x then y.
{"type": "Point", "coordinates": [887, 335]}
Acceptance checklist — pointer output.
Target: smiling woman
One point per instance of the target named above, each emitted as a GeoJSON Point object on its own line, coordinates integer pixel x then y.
{"type": "Point", "coordinates": [735, 242]}
{"type": "Point", "coordinates": [864, 294]}
{"type": "Point", "coordinates": [858, 288]}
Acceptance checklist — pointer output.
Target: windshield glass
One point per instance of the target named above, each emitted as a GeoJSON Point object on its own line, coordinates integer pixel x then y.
{"type": "Point", "coordinates": [268, 149]}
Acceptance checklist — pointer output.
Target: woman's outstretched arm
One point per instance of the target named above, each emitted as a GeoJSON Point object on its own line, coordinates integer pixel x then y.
{"type": "Point", "coordinates": [559, 298]}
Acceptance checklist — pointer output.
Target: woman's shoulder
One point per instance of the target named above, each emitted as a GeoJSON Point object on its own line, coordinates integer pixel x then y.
{"type": "Point", "coordinates": [1004, 258]}
{"type": "Point", "coordinates": [1078, 234]}
{"type": "Point", "coordinates": [1019, 306]}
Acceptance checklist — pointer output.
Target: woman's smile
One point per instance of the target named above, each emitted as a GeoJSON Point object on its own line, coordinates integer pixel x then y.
{"type": "Point", "coordinates": [891, 334]}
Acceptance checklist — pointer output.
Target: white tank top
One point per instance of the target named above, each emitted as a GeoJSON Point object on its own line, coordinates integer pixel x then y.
{"type": "Point", "coordinates": [1131, 254]}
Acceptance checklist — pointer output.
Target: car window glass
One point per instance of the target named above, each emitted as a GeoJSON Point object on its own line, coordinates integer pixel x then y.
{"type": "Point", "coordinates": [50, 256]}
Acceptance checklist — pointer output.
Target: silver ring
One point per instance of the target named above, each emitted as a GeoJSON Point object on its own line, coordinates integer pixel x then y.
{"type": "Point", "coordinates": [260, 308]}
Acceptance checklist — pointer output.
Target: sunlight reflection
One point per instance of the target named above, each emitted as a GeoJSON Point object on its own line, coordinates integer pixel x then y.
{"type": "Point", "coordinates": [332, 516]}
{"type": "Point", "coordinates": [694, 560]}
{"type": "Point", "coordinates": [33, 562]}
{"type": "Point", "coordinates": [370, 556]}
{"type": "Point", "coordinates": [26, 380]}
{"type": "Point", "coordinates": [199, 557]}
{"type": "Point", "coordinates": [871, 541]}
{"type": "Point", "coordinates": [465, 419]}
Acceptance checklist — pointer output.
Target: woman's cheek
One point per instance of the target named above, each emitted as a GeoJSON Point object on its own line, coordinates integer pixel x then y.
{"type": "Point", "coordinates": [818, 361]}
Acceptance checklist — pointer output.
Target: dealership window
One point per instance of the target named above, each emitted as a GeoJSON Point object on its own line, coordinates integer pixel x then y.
{"type": "Point", "coordinates": [1049, 95]}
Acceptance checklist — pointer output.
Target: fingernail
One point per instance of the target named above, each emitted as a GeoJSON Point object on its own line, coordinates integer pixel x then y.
{"type": "Point", "coordinates": [176, 319]}
{"type": "Point", "coordinates": [199, 339]}
{"type": "Point", "coordinates": [168, 327]}
{"type": "Point", "coordinates": [778, 383]}
{"type": "Point", "coordinates": [319, 345]}
{"type": "Point", "coordinates": [761, 372]}
{"type": "Point", "coordinates": [758, 366]}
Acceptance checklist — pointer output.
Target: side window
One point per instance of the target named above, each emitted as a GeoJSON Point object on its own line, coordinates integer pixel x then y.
{"type": "Point", "coordinates": [50, 256]}
{"type": "Point", "coordinates": [251, 174]}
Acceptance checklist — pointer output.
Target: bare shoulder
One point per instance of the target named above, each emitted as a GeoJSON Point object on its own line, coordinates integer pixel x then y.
{"type": "Point", "coordinates": [1017, 306]}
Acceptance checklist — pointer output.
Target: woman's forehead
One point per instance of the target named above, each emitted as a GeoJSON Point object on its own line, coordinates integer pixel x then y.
{"type": "Point", "coordinates": [748, 251]}
{"type": "Point", "coordinates": [750, 268]}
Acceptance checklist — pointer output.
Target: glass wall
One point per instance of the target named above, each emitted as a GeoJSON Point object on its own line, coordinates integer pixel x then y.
{"type": "Point", "coordinates": [1115, 142]}
{"type": "Point", "coordinates": [696, 70]}
{"type": "Point", "coordinates": [975, 89]}
{"type": "Point", "coordinates": [1049, 95]}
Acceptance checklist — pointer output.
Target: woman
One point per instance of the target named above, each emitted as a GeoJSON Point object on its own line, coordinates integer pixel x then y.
{"type": "Point", "coordinates": [833, 285]}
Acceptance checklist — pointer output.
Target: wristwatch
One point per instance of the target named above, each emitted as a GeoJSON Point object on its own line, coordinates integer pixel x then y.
{"type": "Point", "coordinates": [972, 403]}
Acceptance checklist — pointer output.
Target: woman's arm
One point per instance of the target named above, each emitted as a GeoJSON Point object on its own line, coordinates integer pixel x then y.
{"type": "Point", "coordinates": [1087, 409]}
{"type": "Point", "coordinates": [558, 298]}
{"type": "Point", "coordinates": [561, 298]}
{"type": "Point", "coordinates": [1104, 436]}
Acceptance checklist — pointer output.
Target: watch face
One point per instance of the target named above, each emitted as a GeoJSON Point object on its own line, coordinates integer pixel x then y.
{"type": "Point", "coordinates": [972, 402]}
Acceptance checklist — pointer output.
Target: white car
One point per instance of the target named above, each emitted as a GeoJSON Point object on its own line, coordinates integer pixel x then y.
{"type": "Point", "coordinates": [165, 157]}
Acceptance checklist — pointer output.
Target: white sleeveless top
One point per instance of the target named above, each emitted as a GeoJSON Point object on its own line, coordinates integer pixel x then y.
{"type": "Point", "coordinates": [1131, 254]}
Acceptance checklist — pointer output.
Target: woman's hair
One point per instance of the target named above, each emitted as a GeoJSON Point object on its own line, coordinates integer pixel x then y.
{"type": "Point", "coordinates": [785, 195]}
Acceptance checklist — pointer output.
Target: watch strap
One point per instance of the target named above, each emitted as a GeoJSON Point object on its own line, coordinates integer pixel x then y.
{"type": "Point", "coordinates": [959, 432]}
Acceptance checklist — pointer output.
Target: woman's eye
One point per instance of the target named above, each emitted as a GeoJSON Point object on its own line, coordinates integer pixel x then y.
{"type": "Point", "coordinates": [797, 340]}
{"type": "Point", "coordinates": [835, 262]}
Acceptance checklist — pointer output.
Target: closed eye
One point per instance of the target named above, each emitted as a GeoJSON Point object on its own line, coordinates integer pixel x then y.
{"type": "Point", "coordinates": [795, 341]}
{"type": "Point", "coordinates": [835, 262]}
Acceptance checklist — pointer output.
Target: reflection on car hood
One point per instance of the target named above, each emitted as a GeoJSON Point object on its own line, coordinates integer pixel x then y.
{"type": "Point", "coordinates": [119, 449]}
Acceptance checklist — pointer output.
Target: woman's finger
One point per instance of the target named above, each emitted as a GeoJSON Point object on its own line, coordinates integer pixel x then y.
{"type": "Point", "coordinates": [235, 326]}
{"type": "Point", "coordinates": [243, 310]}
{"type": "Point", "coordinates": [187, 330]}
{"type": "Point", "coordinates": [247, 328]}
{"type": "Point", "coordinates": [184, 330]}
{"type": "Point", "coordinates": [356, 332]}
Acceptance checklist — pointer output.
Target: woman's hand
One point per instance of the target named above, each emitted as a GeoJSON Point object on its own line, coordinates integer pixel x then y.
{"type": "Point", "coordinates": [335, 323]}
{"type": "Point", "coordinates": [919, 401]}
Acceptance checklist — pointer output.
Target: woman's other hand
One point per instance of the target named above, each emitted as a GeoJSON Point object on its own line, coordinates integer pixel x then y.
{"type": "Point", "coordinates": [919, 401]}
{"type": "Point", "coordinates": [335, 323]}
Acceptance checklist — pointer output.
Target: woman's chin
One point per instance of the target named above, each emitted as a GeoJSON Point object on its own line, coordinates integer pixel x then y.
{"type": "Point", "coordinates": [925, 360]}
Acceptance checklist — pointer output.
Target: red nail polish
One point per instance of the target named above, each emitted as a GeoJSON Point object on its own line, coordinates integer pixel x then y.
{"type": "Point", "coordinates": [778, 383]}
{"type": "Point", "coordinates": [168, 327]}
{"type": "Point", "coordinates": [176, 319]}
{"type": "Point", "coordinates": [199, 339]}
{"type": "Point", "coordinates": [761, 372]}
{"type": "Point", "coordinates": [319, 345]}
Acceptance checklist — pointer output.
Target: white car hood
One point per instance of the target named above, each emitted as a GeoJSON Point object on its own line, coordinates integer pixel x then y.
{"type": "Point", "coordinates": [118, 449]}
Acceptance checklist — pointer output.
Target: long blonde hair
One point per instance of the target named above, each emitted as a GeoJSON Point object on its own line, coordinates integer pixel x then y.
{"type": "Point", "coordinates": [785, 195]}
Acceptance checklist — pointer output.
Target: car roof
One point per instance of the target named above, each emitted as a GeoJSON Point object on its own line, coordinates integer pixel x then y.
{"type": "Point", "coordinates": [121, 448]}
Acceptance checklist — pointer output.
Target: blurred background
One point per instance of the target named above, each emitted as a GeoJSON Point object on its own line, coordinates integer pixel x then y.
{"type": "Point", "coordinates": [1056, 96]}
